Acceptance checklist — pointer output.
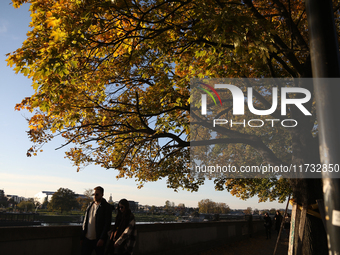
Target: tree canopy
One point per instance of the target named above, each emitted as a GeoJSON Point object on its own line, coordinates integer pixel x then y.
{"type": "Point", "coordinates": [209, 206]}
{"type": "Point", "coordinates": [64, 200]}
{"type": "Point", "coordinates": [112, 78]}
{"type": "Point", "coordinates": [26, 206]}
{"type": "Point", "coordinates": [84, 201]}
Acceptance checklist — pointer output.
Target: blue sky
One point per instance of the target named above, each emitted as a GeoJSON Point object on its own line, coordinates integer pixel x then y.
{"type": "Point", "coordinates": [23, 176]}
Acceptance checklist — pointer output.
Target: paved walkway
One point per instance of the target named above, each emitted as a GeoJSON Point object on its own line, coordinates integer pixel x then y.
{"type": "Point", "coordinates": [257, 245]}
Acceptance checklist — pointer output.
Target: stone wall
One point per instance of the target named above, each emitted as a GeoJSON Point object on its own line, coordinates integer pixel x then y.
{"type": "Point", "coordinates": [152, 239]}
{"type": "Point", "coordinates": [40, 240]}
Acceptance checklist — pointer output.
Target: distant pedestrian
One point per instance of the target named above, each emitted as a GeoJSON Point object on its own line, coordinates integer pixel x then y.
{"type": "Point", "coordinates": [287, 224]}
{"type": "Point", "coordinates": [123, 235]}
{"type": "Point", "coordinates": [278, 219]}
{"type": "Point", "coordinates": [250, 225]}
{"type": "Point", "coordinates": [97, 223]}
{"type": "Point", "coordinates": [267, 225]}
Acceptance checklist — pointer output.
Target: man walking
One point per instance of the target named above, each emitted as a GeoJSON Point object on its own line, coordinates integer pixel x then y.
{"type": "Point", "coordinates": [97, 223]}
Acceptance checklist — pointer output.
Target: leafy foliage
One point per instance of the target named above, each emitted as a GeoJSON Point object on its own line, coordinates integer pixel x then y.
{"type": "Point", "coordinates": [248, 210]}
{"type": "Point", "coordinates": [26, 206]}
{"type": "Point", "coordinates": [209, 206]}
{"type": "Point", "coordinates": [83, 202]}
{"type": "Point", "coordinates": [112, 78]}
{"type": "Point", "coordinates": [64, 200]}
{"type": "Point", "coordinates": [169, 206]}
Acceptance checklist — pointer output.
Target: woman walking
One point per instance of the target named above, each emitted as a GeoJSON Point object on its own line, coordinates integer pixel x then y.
{"type": "Point", "coordinates": [267, 225]}
{"type": "Point", "coordinates": [123, 235]}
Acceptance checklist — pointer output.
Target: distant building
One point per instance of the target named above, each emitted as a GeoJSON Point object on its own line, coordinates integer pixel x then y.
{"type": "Point", "coordinates": [133, 205]}
{"type": "Point", "coordinates": [110, 199]}
{"type": "Point", "coordinates": [144, 208]}
{"type": "Point", "coordinates": [3, 199]}
{"type": "Point", "coordinates": [16, 198]}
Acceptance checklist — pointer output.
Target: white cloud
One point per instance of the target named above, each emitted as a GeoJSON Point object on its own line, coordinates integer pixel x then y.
{"type": "Point", "coordinates": [3, 26]}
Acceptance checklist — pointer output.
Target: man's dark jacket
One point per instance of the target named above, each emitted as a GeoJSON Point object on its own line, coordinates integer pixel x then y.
{"type": "Point", "coordinates": [103, 220]}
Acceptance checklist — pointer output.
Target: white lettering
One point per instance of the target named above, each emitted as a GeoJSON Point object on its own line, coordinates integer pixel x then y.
{"type": "Point", "coordinates": [238, 97]}
{"type": "Point", "coordinates": [219, 122]}
{"type": "Point", "coordinates": [262, 122]}
{"type": "Point", "coordinates": [297, 101]}
{"type": "Point", "coordinates": [272, 120]}
{"type": "Point", "coordinates": [250, 123]}
{"type": "Point", "coordinates": [238, 123]}
{"type": "Point", "coordinates": [289, 120]}
{"type": "Point", "coordinates": [262, 112]}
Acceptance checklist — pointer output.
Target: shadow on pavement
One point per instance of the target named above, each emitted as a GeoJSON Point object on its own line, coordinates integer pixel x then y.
{"type": "Point", "coordinates": [256, 245]}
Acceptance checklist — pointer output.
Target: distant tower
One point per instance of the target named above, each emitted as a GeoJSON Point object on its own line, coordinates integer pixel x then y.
{"type": "Point", "coordinates": [110, 199]}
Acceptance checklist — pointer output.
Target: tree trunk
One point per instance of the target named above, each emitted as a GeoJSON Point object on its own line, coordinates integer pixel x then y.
{"type": "Point", "coordinates": [307, 191]}
{"type": "Point", "coordinates": [314, 240]}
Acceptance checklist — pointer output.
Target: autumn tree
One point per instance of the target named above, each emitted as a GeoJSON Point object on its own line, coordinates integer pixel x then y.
{"type": "Point", "coordinates": [113, 79]}
{"type": "Point", "coordinates": [152, 209]}
{"type": "Point", "coordinates": [205, 206]}
{"type": "Point", "coordinates": [249, 210]}
{"type": "Point", "coordinates": [169, 208]}
{"type": "Point", "coordinates": [209, 206]}
{"type": "Point", "coordinates": [26, 206]}
{"type": "Point", "coordinates": [83, 202]}
{"type": "Point", "coordinates": [181, 209]}
{"type": "Point", "coordinates": [88, 193]}
{"type": "Point", "coordinates": [222, 208]}
{"type": "Point", "coordinates": [64, 200]}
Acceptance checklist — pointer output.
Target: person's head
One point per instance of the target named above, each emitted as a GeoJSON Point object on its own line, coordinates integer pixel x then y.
{"type": "Point", "coordinates": [98, 193]}
{"type": "Point", "coordinates": [278, 212]}
{"type": "Point", "coordinates": [123, 206]}
{"type": "Point", "coordinates": [266, 214]}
